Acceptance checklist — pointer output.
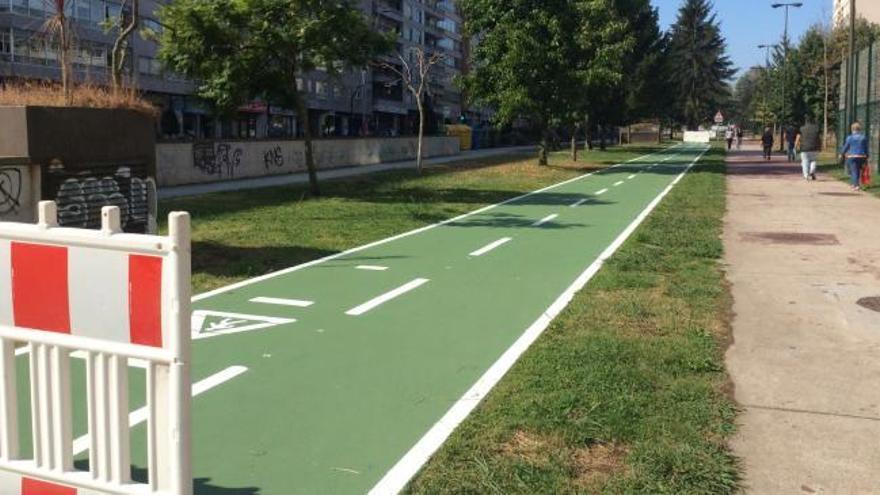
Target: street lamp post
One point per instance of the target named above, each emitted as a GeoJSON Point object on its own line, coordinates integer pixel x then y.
{"type": "Point", "coordinates": [852, 99]}
{"type": "Point", "coordinates": [786, 6]}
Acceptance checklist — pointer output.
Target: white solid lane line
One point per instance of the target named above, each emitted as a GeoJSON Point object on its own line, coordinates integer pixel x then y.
{"type": "Point", "coordinates": [603, 191]}
{"type": "Point", "coordinates": [372, 303]}
{"type": "Point", "coordinates": [283, 302]}
{"type": "Point", "coordinates": [492, 245]}
{"type": "Point", "coordinates": [544, 220]}
{"type": "Point", "coordinates": [372, 268]}
{"type": "Point", "coordinates": [138, 416]}
{"type": "Point", "coordinates": [579, 202]}
{"type": "Point", "coordinates": [618, 183]}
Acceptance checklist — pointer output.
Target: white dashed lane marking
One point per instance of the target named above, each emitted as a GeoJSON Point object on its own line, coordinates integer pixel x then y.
{"type": "Point", "coordinates": [377, 301]}
{"type": "Point", "coordinates": [492, 245]}
{"type": "Point", "coordinates": [297, 303]}
{"type": "Point", "coordinates": [544, 220]}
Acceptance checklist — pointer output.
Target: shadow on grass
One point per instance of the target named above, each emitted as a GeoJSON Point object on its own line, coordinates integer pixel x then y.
{"type": "Point", "coordinates": [392, 186]}
{"type": "Point", "coordinates": [243, 261]}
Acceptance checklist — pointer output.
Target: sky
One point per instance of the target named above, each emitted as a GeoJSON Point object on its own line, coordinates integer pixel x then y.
{"type": "Point", "coordinates": [749, 23]}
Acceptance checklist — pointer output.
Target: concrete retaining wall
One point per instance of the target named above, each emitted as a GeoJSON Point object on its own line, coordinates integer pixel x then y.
{"type": "Point", "coordinates": [200, 162]}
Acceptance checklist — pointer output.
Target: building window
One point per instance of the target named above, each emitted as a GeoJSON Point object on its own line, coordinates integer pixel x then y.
{"type": "Point", "coordinates": [5, 45]}
{"type": "Point", "coordinates": [149, 66]}
{"type": "Point", "coordinates": [246, 126]}
{"type": "Point", "coordinates": [280, 126]}
{"type": "Point", "coordinates": [4, 5]}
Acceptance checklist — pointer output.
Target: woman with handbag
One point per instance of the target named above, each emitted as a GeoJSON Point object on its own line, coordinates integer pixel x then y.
{"type": "Point", "coordinates": [855, 153]}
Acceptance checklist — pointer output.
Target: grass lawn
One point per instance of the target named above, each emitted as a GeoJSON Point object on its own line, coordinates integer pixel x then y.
{"type": "Point", "coordinates": [240, 235]}
{"type": "Point", "coordinates": [626, 391]}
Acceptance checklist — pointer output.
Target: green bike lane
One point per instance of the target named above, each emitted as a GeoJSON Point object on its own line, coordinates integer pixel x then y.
{"type": "Point", "coordinates": [330, 402]}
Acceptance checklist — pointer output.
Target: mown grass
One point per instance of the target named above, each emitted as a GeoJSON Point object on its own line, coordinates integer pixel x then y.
{"type": "Point", "coordinates": [626, 391]}
{"type": "Point", "coordinates": [239, 235]}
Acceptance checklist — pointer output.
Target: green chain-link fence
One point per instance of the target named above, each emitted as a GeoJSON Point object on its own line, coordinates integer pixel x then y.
{"type": "Point", "coordinates": [867, 96]}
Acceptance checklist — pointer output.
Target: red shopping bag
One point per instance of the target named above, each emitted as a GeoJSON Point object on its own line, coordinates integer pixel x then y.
{"type": "Point", "coordinates": [866, 175]}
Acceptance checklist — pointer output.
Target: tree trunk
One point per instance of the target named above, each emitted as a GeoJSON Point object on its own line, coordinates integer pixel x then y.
{"type": "Point", "coordinates": [117, 62]}
{"type": "Point", "coordinates": [574, 143]}
{"type": "Point", "coordinates": [421, 134]}
{"type": "Point", "coordinates": [825, 105]}
{"type": "Point", "coordinates": [588, 130]}
{"type": "Point", "coordinates": [602, 137]}
{"type": "Point", "coordinates": [302, 115]}
{"type": "Point", "coordinates": [64, 42]}
{"type": "Point", "coordinates": [660, 133]}
{"type": "Point", "coordinates": [544, 148]}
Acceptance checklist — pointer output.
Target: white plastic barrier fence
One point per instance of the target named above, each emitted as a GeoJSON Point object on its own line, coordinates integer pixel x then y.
{"type": "Point", "coordinates": [108, 297]}
{"type": "Point", "coordinates": [698, 136]}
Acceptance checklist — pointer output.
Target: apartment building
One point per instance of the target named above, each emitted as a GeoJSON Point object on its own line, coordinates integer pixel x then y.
{"type": "Point", "coordinates": [869, 9]}
{"type": "Point", "coordinates": [363, 101]}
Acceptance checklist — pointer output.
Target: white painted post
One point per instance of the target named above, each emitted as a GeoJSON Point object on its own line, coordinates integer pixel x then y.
{"type": "Point", "coordinates": [179, 372]}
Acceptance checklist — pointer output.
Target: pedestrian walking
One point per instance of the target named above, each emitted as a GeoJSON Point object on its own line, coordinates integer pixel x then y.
{"type": "Point", "coordinates": [739, 138]}
{"type": "Point", "coordinates": [728, 135]}
{"type": "Point", "coordinates": [767, 141]}
{"type": "Point", "coordinates": [807, 142]}
{"type": "Point", "coordinates": [855, 153]}
{"type": "Point", "coordinates": [790, 139]}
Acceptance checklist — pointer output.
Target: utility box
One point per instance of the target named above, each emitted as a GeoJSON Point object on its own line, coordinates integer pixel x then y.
{"type": "Point", "coordinates": [81, 158]}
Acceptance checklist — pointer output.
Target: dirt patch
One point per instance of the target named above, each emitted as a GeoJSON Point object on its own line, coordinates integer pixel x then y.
{"type": "Point", "coordinates": [593, 465]}
{"type": "Point", "coordinates": [872, 303]}
{"type": "Point", "coordinates": [529, 447]}
{"type": "Point", "coordinates": [791, 238]}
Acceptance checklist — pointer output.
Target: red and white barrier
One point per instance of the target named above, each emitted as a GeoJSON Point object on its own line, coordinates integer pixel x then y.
{"type": "Point", "coordinates": [111, 297]}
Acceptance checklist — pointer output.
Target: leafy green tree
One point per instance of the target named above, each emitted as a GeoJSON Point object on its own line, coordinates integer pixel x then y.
{"type": "Point", "coordinates": [700, 67]}
{"type": "Point", "coordinates": [243, 49]}
{"type": "Point", "coordinates": [537, 59]}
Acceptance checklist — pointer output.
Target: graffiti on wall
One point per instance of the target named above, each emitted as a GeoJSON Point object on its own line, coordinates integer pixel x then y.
{"type": "Point", "coordinates": [10, 190]}
{"type": "Point", "coordinates": [273, 157]}
{"type": "Point", "coordinates": [80, 198]}
{"type": "Point", "coordinates": [220, 159]}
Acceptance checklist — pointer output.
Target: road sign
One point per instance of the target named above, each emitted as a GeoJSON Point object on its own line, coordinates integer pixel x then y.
{"type": "Point", "coordinates": [719, 117]}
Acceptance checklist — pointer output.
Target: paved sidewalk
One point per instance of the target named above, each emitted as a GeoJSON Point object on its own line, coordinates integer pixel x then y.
{"type": "Point", "coordinates": [806, 357]}
{"type": "Point", "coordinates": [336, 173]}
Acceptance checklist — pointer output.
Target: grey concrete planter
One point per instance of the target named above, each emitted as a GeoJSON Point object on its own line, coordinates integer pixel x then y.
{"type": "Point", "coordinates": [84, 159]}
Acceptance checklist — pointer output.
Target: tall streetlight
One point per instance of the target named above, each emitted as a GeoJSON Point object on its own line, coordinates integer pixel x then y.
{"type": "Point", "coordinates": [852, 99]}
{"type": "Point", "coordinates": [786, 6]}
{"type": "Point", "coordinates": [766, 49]}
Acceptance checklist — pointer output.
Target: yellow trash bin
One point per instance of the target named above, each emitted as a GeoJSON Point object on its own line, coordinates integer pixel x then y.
{"type": "Point", "coordinates": [464, 134]}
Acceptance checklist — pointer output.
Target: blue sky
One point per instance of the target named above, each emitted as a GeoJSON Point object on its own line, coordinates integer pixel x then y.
{"type": "Point", "coordinates": [749, 23]}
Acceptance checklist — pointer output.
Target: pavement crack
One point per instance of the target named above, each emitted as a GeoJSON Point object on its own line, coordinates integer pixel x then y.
{"type": "Point", "coordinates": [816, 413]}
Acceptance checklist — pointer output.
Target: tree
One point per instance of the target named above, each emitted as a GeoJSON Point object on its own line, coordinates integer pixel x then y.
{"type": "Point", "coordinates": [414, 71]}
{"type": "Point", "coordinates": [124, 26]}
{"type": "Point", "coordinates": [699, 63]}
{"type": "Point", "coordinates": [536, 59]}
{"type": "Point", "coordinates": [57, 25]}
{"type": "Point", "coordinates": [245, 49]}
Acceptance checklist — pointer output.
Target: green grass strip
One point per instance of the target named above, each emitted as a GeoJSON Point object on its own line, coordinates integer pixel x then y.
{"type": "Point", "coordinates": [626, 391]}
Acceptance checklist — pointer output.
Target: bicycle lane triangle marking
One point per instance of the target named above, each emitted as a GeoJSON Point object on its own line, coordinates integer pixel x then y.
{"type": "Point", "coordinates": [206, 324]}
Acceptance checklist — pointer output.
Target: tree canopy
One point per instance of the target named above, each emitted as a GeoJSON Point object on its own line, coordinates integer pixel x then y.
{"type": "Point", "coordinates": [700, 69]}
{"type": "Point", "coordinates": [239, 50]}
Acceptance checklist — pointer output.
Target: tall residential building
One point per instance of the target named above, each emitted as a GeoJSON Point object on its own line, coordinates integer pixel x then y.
{"type": "Point", "coordinates": [869, 9]}
{"type": "Point", "coordinates": [363, 101]}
